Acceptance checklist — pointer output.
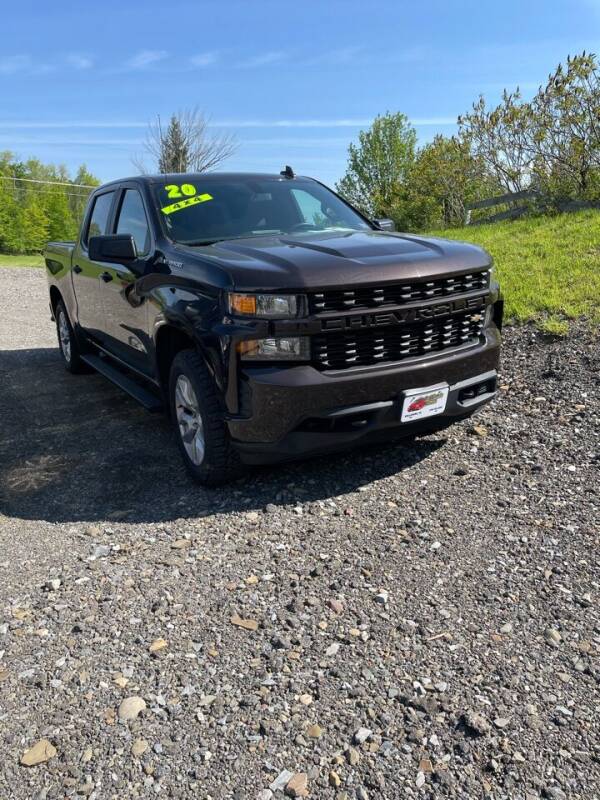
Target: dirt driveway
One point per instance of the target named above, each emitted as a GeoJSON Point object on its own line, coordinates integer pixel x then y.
{"type": "Point", "coordinates": [411, 621]}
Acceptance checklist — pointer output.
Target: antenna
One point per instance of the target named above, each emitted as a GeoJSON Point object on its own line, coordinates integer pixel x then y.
{"type": "Point", "coordinates": [288, 172]}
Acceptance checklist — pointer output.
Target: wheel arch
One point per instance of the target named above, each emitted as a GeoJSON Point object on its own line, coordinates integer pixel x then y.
{"type": "Point", "coordinates": [171, 339]}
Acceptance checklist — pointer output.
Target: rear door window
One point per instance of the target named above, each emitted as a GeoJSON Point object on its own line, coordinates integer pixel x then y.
{"type": "Point", "coordinates": [98, 225]}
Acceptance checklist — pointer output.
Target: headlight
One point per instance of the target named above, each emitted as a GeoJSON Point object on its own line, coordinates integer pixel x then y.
{"type": "Point", "coordinates": [274, 306]}
{"type": "Point", "coordinates": [493, 275]}
{"type": "Point", "coordinates": [290, 348]}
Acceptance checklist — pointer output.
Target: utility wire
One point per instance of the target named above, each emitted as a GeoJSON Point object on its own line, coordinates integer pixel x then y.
{"type": "Point", "coordinates": [52, 183]}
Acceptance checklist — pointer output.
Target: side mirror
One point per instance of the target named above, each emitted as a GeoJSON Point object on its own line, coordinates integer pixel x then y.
{"type": "Point", "coordinates": [119, 248]}
{"type": "Point", "coordinates": [385, 224]}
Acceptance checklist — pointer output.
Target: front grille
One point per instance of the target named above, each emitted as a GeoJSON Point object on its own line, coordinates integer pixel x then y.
{"type": "Point", "coordinates": [340, 350]}
{"type": "Point", "coordinates": [396, 294]}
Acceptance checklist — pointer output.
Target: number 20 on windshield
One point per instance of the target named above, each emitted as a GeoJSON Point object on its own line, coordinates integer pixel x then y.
{"type": "Point", "coordinates": [185, 190]}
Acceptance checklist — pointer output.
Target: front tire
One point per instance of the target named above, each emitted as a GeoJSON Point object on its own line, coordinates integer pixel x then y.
{"type": "Point", "coordinates": [67, 343]}
{"type": "Point", "coordinates": [197, 413]}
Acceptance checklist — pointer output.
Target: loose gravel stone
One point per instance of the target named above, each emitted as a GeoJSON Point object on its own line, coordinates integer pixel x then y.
{"type": "Point", "coordinates": [361, 735]}
{"type": "Point", "coordinates": [476, 724]}
{"type": "Point", "coordinates": [314, 731]}
{"type": "Point", "coordinates": [281, 781]}
{"type": "Point", "coordinates": [334, 779]}
{"type": "Point", "coordinates": [552, 636]}
{"type": "Point", "coordinates": [41, 752]}
{"type": "Point", "coordinates": [131, 707]}
{"type": "Point", "coordinates": [297, 786]}
{"type": "Point", "coordinates": [139, 747]}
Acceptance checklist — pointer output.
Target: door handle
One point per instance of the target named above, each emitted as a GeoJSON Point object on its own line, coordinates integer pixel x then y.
{"type": "Point", "coordinates": [106, 277]}
{"type": "Point", "coordinates": [77, 269]}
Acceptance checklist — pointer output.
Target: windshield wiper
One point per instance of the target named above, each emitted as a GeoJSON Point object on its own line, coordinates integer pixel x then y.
{"type": "Point", "coordinates": [231, 238]}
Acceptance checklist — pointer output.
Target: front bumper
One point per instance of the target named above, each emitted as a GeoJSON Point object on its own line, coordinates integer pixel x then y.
{"type": "Point", "coordinates": [294, 411]}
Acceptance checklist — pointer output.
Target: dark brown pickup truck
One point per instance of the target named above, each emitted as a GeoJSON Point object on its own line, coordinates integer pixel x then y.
{"type": "Point", "coordinates": [270, 318]}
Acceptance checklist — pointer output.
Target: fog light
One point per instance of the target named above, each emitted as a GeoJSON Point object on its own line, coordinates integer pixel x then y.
{"type": "Point", "coordinates": [290, 348]}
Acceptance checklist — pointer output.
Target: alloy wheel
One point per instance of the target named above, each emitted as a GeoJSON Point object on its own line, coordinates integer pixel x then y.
{"type": "Point", "coordinates": [64, 335]}
{"type": "Point", "coordinates": [189, 420]}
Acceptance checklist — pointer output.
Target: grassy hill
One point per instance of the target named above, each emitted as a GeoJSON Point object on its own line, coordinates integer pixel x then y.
{"type": "Point", "coordinates": [549, 267]}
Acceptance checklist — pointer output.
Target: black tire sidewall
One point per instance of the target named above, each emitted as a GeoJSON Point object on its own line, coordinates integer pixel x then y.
{"type": "Point", "coordinates": [218, 465]}
{"type": "Point", "coordinates": [62, 311]}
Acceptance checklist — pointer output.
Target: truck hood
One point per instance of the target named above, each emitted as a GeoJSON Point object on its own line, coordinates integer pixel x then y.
{"type": "Point", "coordinates": [336, 259]}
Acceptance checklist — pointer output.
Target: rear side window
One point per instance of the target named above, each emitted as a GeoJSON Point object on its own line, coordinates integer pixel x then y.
{"type": "Point", "coordinates": [132, 220]}
{"type": "Point", "coordinates": [99, 218]}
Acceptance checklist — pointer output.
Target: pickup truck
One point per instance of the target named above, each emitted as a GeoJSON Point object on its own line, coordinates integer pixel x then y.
{"type": "Point", "coordinates": [270, 318]}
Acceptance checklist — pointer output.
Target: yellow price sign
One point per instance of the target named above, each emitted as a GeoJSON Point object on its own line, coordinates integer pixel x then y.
{"type": "Point", "coordinates": [186, 203]}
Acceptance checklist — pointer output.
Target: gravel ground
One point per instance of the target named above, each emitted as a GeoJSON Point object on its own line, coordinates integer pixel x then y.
{"type": "Point", "coordinates": [415, 621]}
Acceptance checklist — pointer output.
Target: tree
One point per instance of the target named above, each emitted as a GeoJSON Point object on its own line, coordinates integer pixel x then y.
{"type": "Point", "coordinates": [446, 177]}
{"type": "Point", "coordinates": [376, 179]}
{"type": "Point", "coordinates": [499, 139]}
{"type": "Point", "coordinates": [83, 177]}
{"type": "Point", "coordinates": [33, 225]}
{"type": "Point", "coordinates": [175, 151]}
{"type": "Point", "coordinates": [186, 145]}
{"type": "Point", "coordinates": [61, 224]}
{"type": "Point", "coordinates": [39, 202]}
{"type": "Point", "coordinates": [78, 197]}
{"type": "Point", "coordinates": [551, 143]}
{"type": "Point", "coordinates": [9, 219]}
{"type": "Point", "coordinates": [564, 140]}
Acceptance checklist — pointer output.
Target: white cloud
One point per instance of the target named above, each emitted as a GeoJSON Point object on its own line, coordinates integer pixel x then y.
{"type": "Point", "coordinates": [23, 63]}
{"type": "Point", "coordinates": [80, 61]}
{"type": "Point", "coordinates": [264, 59]}
{"type": "Point", "coordinates": [350, 122]}
{"type": "Point", "coordinates": [290, 141]}
{"type": "Point", "coordinates": [433, 121]}
{"type": "Point", "coordinates": [204, 59]}
{"type": "Point", "coordinates": [292, 123]}
{"type": "Point", "coordinates": [59, 125]}
{"type": "Point", "coordinates": [11, 64]}
{"type": "Point", "coordinates": [341, 56]}
{"type": "Point", "coordinates": [145, 58]}
{"type": "Point", "coordinates": [70, 141]}
{"type": "Point", "coordinates": [323, 123]}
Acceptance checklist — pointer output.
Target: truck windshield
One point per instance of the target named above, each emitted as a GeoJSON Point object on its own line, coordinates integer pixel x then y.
{"type": "Point", "coordinates": [198, 209]}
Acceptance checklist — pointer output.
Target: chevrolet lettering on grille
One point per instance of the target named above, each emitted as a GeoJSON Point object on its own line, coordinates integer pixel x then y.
{"type": "Point", "coordinates": [404, 315]}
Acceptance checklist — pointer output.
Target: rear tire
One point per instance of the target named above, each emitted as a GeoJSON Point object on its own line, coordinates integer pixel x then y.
{"type": "Point", "coordinates": [197, 413]}
{"type": "Point", "coordinates": [67, 343]}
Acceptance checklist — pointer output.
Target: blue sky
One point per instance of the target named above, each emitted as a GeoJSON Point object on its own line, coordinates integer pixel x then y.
{"type": "Point", "coordinates": [294, 81]}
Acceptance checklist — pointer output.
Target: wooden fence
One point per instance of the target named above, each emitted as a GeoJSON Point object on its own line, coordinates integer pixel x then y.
{"type": "Point", "coordinates": [519, 205]}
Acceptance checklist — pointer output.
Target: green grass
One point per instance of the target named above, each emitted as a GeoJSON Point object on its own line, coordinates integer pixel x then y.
{"type": "Point", "coordinates": [21, 261]}
{"type": "Point", "coordinates": [549, 267]}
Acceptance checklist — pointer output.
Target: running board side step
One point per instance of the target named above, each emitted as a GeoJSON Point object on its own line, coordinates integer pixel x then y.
{"type": "Point", "coordinates": [145, 397]}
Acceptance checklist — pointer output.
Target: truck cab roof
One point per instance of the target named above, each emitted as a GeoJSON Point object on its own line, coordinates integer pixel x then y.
{"type": "Point", "coordinates": [178, 177]}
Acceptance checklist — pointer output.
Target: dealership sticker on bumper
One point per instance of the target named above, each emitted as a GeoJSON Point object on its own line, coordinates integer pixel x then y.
{"type": "Point", "coordinates": [422, 403]}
